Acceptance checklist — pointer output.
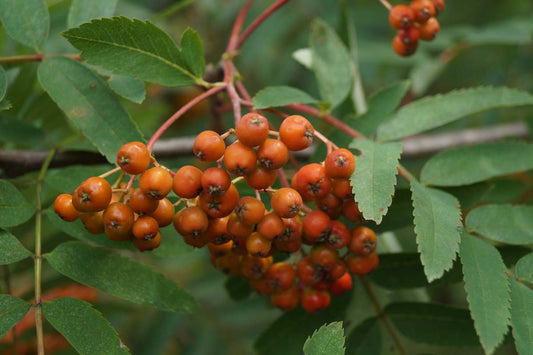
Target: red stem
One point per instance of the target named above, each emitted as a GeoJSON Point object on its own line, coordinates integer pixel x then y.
{"type": "Point", "coordinates": [260, 19]}
{"type": "Point", "coordinates": [328, 118]}
{"type": "Point", "coordinates": [237, 27]}
{"type": "Point", "coordinates": [233, 95]}
{"type": "Point", "coordinates": [179, 113]}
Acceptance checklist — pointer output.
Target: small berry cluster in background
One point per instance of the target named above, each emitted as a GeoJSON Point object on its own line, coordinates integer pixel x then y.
{"type": "Point", "coordinates": [240, 232]}
{"type": "Point", "coordinates": [414, 22]}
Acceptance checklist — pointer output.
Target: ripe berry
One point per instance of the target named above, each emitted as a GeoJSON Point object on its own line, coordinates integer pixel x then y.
{"type": "Point", "coordinates": [238, 230]}
{"type": "Point", "coordinates": [147, 244]}
{"type": "Point", "coordinates": [296, 132]}
{"type": "Point", "coordinates": [254, 268]}
{"type": "Point", "coordinates": [314, 300]}
{"type": "Point", "coordinates": [351, 211]}
{"type": "Point", "coordinates": [191, 221]}
{"type": "Point", "coordinates": [94, 194]}
{"type": "Point", "coordinates": [362, 265]}
{"type": "Point", "coordinates": [197, 241]}
{"type": "Point", "coordinates": [307, 271]}
{"type": "Point", "coordinates": [219, 206]}
{"type": "Point", "coordinates": [323, 256]}
{"type": "Point", "coordinates": [261, 178]}
{"type": "Point", "coordinates": [339, 235]}
{"type": "Point", "coordinates": [424, 10]}
{"type": "Point", "coordinates": [133, 158]}
{"type": "Point", "coordinates": [402, 49]}
{"type": "Point", "coordinates": [145, 227]}
{"type": "Point", "coordinates": [93, 221]}
{"type": "Point", "coordinates": [64, 208]}
{"type": "Point", "coordinates": [118, 221]}
{"type": "Point", "coordinates": [218, 250]}
{"type": "Point", "coordinates": [239, 159]}
{"type": "Point", "coordinates": [286, 202]}
{"type": "Point", "coordinates": [215, 181]}
{"type": "Point", "coordinates": [217, 231]}
{"type": "Point", "coordinates": [312, 181]}
{"type": "Point", "coordinates": [187, 181]}
{"type": "Point", "coordinates": [439, 6]}
{"type": "Point", "coordinates": [363, 241]}
{"type": "Point", "coordinates": [409, 35]}
{"type": "Point", "coordinates": [250, 210]}
{"type": "Point", "coordinates": [340, 163]}
{"type": "Point", "coordinates": [281, 276]}
{"type": "Point", "coordinates": [164, 213]}
{"type": "Point", "coordinates": [142, 203]}
{"type": "Point", "coordinates": [330, 204]}
{"type": "Point", "coordinates": [252, 129]}
{"type": "Point", "coordinates": [341, 188]}
{"type": "Point", "coordinates": [271, 226]}
{"type": "Point", "coordinates": [209, 146]}
{"type": "Point", "coordinates": [429, 29]}
{"type": "Point", "coordinates": [273, 154]}
{"type": "Point", "coordinates": [342, 284]}
{"type": "Point", "coordinates": [257, 245]}
{"type": "Point", "coordinates": [316, 226]}
{"type": "Point", "coordinates": [156, 182]}
{"type": "Point", "coordinates": [287, 299]}
{"type": "Point", "coordinates": [401, 16]}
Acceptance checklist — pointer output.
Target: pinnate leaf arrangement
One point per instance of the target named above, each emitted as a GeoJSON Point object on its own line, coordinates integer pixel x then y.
{"type": "Point", "coordinates": [288, 200]}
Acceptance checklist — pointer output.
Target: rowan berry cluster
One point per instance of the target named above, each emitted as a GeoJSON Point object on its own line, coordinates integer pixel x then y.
{"type": "Point", "coordinates": [414, 22]}
{"type": "Point", "coordinates": [240, 232]}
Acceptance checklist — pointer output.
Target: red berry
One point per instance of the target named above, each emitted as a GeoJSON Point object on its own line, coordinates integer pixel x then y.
{"type": "Point", "coordinates": [64, 208]}
{"type": "Point", "coordinates": [429, 29]}
{"type": "Point", "coordinates": [209, 146]}
{"type": "Point", "coordinates": [252, 129]}
{"type": "Point", "coordinates": [401, 16]}
{"type": "Point", "coordinates": [296, 132]}
{"type": "Point", "coordinates": [133, 158]}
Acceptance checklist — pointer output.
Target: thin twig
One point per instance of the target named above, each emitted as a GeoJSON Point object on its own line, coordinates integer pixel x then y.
{"type": "Point", "coordinates": [370, 291]}
{"type": "Point", "coordinates": [260, 19]}
{"type": "Point", "coordinates": [386, 4]}
{"type": "Point", "coordinates": [38, 254]}
{"type": "Point", "coordinates": [237, 27]}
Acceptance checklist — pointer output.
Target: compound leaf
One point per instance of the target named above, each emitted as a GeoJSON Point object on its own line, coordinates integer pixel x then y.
{"type": "Point", "coordinates": [128, 87]}
{"type": "Point", "coordinates": [119, 276]}
{"type": "Point", "coordinates": [331, 63]}
{"type": "Point", "coordinates": [89, 104]}
{"type": "Point", "coordinates": [365, 338]}
{"type": "Point", "coordinates": [276, 96]}
{"type": "Point", "coordinates": [487, 290]}
{"type": "Point", "coordinates": [328, 340]}
{"type": "Point", "coordinates": [83, 326]}
{"type": "Point", "coordinates": [12, 310]}
{"type": "Point", "coordinates": [139, 49]}
{"type": "Point", "coordinates": [83, 11]}
{"type": "Point", "coordinates": [437, 219]}
{"type": "Point", "coordinates": [374, 178]}
{"type": "Point", "coordinates": [27, 22]}
{"type": "Point", "coordinates": [14, 208]}
{"type": "Point", "coordinates": [522, 316]}
{"type": "Point", "coordinates": [11, 249]}
{"type": "Point", "coordinates": [436, 111]}
{"type": "Point", "coordinates": [524, 268]}
{"type": "Point", "coordinates": [470, 164]}
{"type": "Point", "coordinates": [504, 223]}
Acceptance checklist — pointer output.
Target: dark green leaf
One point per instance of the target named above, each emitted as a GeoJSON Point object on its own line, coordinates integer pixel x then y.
{"type": "Point", "coordinates": [27, 21]}
{"type": "Point", "coordinates": [82, 11]}
{"type": "Point", "coordinates": [300, 325]}
{"type": "Point", "coordinates": [3, 83]}
{"type": "Point", "coordinates": [77, 230]}
{"type": "Point", "coordinates": [486, 286]}
{"type": "Point", "coordinates": [83, 326]}
{"type": "Point", "coordinates": [436, 111]}
{"type": "Point", "coordinates": [19, 88]}
{"type": "Point", "coordinates": [470, 164]}
{"type": "Point", "coordinates": [136, 48]}
{"type": "Point", "coordinates": [400, 213]}
{"type": "Point", "coordinates": [68, 179]}
{"type": "Point", "coordinates": [380, 105]}
{"type": "Point", "coordinates": [397, 271]}
{"type": "Point", "coordinates": [11, 250]}
{"type": "Point", "coordinates": [328, 340]}
{"type": "Point", "coordinates": [192, 50]}
{"type": "Point", "coordinates": [12, 310]}
{"type": "Point", "coordinates": [128, 87]}
{"type": "Point", "coordinates": [522, 316]}
{"type": "Point", "coordinates": [365, 338]}
{"type": "Point", "coordinates": [433, 324]}
{"type": "Point", "coordinates": [375, 177]}
{"type": "Point", "coordinates": [89, 104]}
{"type": "Point", "coordinates": [437, 218]}
{"type": "Point", "coordinates": [14, 209]}
{"type": "Point", "coordinates": [277, 96]}
{"type": "Point", "coordinates": [19, 132]}
{"type": "Point", "coordinates": [504, 223]}
{"type": "Point", "coordinates": [238, 289]}
{"type": "Point", "coordinates": [119, 276]}
{"type": "Point", "coordinates": [331, 63]}
{"type": "Point", "coordinates": [524, 268]}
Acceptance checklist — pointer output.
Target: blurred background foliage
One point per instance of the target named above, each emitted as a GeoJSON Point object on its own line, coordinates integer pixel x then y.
{"type": "Point", "coordinates": [481, 43]}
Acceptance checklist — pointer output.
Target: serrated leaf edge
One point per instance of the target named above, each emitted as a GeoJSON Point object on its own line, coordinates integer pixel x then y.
{"type": "Point", "coordinates": [422, 260]}
{"type": "Point", "coordinates": [326, 326]}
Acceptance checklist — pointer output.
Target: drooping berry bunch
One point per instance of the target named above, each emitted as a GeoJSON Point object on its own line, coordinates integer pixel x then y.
{"type": "Point", "coordinates": [414, 22]}
{"type": "Point", "coordinates": [241, 233]}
